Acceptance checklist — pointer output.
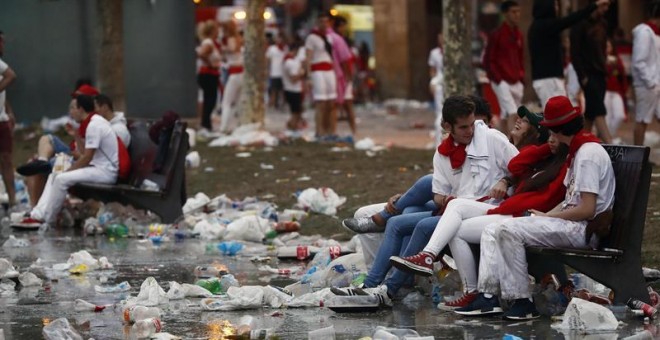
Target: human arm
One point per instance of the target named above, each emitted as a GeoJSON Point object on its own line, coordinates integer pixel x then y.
{"type": "Point", "coordinates": [8, 76]}
{"type": "Point", "coordinates": [524, 161]}
{"type": "Point", "coordinates": [83, 160]}
{"type": "Point", "coordinates": [556, 25]}
{"type": "Point", "coordinates": [440, 183]}
{"type": "Point", "coordinates": [585, 210]}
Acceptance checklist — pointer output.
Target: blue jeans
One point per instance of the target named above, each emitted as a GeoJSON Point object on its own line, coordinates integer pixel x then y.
{"type": "Point", "coordinates": [420, 237]}
{"type": "Point", "coordinates": [397, 230]}
{"type": "Point", "coordinates": [419, 194]}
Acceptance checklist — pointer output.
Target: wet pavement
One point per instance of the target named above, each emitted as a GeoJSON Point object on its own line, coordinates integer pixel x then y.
{"type": "Point", "coordinates": [25, 313]}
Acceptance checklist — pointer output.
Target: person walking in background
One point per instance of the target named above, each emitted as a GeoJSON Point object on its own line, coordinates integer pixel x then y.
{"type": "Point", "coordinates": [341, 59]}
{"type": "Point", "coordinates": [319, 67]}
{"type": "Point", "coordinates": [615, 94]}
{"type": "Point", "coordinates": [275, 58]}
{"type": "Point", "coordinates": [646, 71]}
{"type": "Point", "coordinates": [292, 77]}
{"type": "Point", "coordinates": [208, 74]}
{"type": "Point", "coordinates": [545, 46]}
{"type": "Point", "coordinates": [436, 65]}
{"type": "Point", "coordinates": [232, 48]}
{"type": "Point", "coordinates": [7, 122]}
{"type": "Point", "coordinates": [345, 106]}
{"type": "Point", "coordinates": [588, 45]}
{"type": "Point", "coordinates": [504, 64]}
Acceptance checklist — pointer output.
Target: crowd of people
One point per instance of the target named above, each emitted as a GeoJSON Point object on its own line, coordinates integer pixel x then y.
{"type": "Point", "coordinates": [572, 56]}
{"type": "Point", "coordinates": [324, 66]}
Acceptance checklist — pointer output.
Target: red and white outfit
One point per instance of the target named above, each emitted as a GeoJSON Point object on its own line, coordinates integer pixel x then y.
{"type": "Point", "coordinates": [102, 169]}
{"type": "Point", "coordinates": [324, 80]}
{"type": "Point", "coordinates": [234, 84]}
{"type": "Point", "coordinates": [646, 71]}
{"type": "Point", "coordinates": [504, 64]}
{"type": "Point", "coordinates": [615, 92]}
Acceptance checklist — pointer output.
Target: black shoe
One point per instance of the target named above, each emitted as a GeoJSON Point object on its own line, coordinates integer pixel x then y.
{"type": "Point", "coordinates": [34, 168]}
{"type": "Point", "coordinates": [481, 306]}
{"type": "Point", "coordinates": [522, 309]}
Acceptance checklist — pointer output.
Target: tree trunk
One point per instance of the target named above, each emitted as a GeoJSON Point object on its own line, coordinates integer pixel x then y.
{"type": "Point", "coordinates": [111, 53]}
{"type": "Point", "coordinates": [458, 70]}
{"type": "Point", "coordinates": [254, 77]}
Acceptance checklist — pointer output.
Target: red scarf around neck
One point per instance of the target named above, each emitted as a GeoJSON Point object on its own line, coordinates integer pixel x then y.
{"type": "Point", "coordinates": [654, 27]}
{"type": "Point", "coordinates": [456, 153]}
{"type": "Point", "coordinates": [577, 141]}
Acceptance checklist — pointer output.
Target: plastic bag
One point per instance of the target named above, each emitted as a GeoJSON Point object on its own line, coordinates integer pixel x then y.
{"type": "Point", "coordinates": [151, 294]}
{"type": "Point", "coordinates": [28, 279]}
{"type": "Point", "coordinates": [247, 228]}
{"type": "Point", "coordinates": [587, 318]}
{"type": "Point", "coordinates": [323, 200]}
{"type": "Point", "coordinates": [13, 242]}
{"type": "Point", "coordinates": [60, 329]}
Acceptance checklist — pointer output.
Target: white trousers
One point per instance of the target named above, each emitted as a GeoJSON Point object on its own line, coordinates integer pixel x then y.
{"type": "Point", "coordinates": [470, 233]}
{"type": "Point", "coordinates": [52, 198]}
{"type": "Point", "coordinates": [648, 104]}
{"type": "Point", "coordinates": [438, 98]}
{"type": "Point", "coordinates": [324, 85]}
{"type": "Point", "coordinates": [370, 241]}
{"type": "Point", "coordinates": [230, 98]}
{"type": "Point", "coordinates": [547, 88]}
{"type": "Point", "coordinates": [616, 113]}
{"type": "Point", "coordinates": [503, 262]}
{"type": "Point", "coordinates": [509, 97]}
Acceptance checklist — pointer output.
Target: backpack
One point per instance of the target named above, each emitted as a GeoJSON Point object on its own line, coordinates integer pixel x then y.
{"type": "Point", "coordinates": [124, 161]}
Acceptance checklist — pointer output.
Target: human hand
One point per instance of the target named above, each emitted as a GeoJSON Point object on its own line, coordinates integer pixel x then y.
{"type": "Point", "coordinates": [498, 191]}
{"type": "Point", "coordinates": [389, 207]}
{"type": "Point", "coordinates": [70, 130]}
{"type": "Point", "coordinates": [535, 212]}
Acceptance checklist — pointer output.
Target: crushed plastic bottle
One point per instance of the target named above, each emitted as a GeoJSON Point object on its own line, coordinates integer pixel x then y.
{"type": "Point", "coordinates": [213, 285]}
{"type": "Point", "coordinates": [146, 328]}
{"type": "Point", "coordinates": [245, 325]}
{"type": "Point", "coordinates": [83, 306]}
{"type": "Point", "coordinates": [227, 281]}
{"type": "Point", "coordinates": [136, 313]}
{"type": "Point", "coordinates": [230, 248]}
{"type": "Point", "coordinates": [116, 230]}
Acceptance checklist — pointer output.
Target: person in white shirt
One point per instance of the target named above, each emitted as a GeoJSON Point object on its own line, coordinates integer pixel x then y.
{"type": "Point", "coordinates": [275, 58]}
{"type": "Point", "coordinates": [646, 72]}
{"type": "Point", "coordinates": [292, 77]}
{"type": "Point", "coordinates": [7, 121]}
{"type": "Point", "coordinates": [99, 163]}
{"type": "Point", "coordinates": [319, 68]}
{"type": "Point", "coordinates": [436, 65]}
{"type": "Point", "coordinates": [103, 106]}
{"type": "Point", "coordinates": [590, 186]}
{"type": "Point", "coordinates": [232, 49]}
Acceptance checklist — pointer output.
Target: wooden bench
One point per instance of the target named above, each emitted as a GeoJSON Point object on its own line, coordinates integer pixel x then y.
{"type": "Point", "coordinates": [617, 261]}
{"type": "Point", "coordinates": [166, 202]}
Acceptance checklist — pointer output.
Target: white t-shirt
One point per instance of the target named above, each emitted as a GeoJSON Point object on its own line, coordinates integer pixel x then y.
{"type": "Point", "coordinates": [214, 57]}
{"type": "Point", "coordinates": [276, 57]}
{"type": "Point", "coordinates": [315, 44]}
{"type": "Point", "coordinates": [292, 67]}
{"type": "Point", "coordinates": [302, 54]}
{"type": "Point", "coordinates": [436, 60]}
{"type": "Point", "coordinates": [233, 58]}
{"type": "Point", "coordinates": [591, 171]}
{"type": "Point", "coordinates": [3, 113]}
{"type": "Point", "coordinates": [462, 182]}
{"type": "Point", "coordinates": [100, 136]}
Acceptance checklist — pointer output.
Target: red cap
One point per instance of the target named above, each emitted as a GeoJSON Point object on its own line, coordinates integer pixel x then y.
{"type": "Point", "coordinates": [558, 111]}
{"type": "Point", "coordinates": [86, 90]}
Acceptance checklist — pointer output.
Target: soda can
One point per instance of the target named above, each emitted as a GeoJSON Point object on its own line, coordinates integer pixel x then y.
{"type": "Point", "coordinates": [302, 252]}
{"type": "Point", "coordinates": [648, 309]}
{"type": "Point", "coordinates": [335, 252]}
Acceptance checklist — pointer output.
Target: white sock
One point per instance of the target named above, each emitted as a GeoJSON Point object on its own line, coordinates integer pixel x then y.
{"type": "Point", "coordinates": [42, 158]}
{"type": "Point", "coordinates": [488, 296]}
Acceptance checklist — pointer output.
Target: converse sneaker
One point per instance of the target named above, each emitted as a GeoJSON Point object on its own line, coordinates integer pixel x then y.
{"type": "Point", "coordinates": [522, 309]}
{"type": "Point", "coordinates": [27, 222]}
{"type": "Point", "coordinates": [362, 225]}
{"type": "Point", "coordinates": [481, 306]}
{"type": "Point", "coordinates": [420, 264]}
{"type": "Point", "coordinates": [461, 302]}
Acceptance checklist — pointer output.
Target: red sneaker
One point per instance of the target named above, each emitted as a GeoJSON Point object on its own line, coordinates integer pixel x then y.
{"type": "Point", "coordinates": [420, 264]}
{"type": "Point", "coordinates": [461, 302]}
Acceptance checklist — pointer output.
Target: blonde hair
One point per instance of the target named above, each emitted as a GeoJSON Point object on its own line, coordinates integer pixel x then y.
{"type": "Point", "coordinates": [205, 29]}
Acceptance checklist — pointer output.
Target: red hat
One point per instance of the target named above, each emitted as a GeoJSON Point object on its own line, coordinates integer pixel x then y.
{"type": "Point", "coordinates": [558, 111]}
{"type": "Point", "coordinates": [86, 90]}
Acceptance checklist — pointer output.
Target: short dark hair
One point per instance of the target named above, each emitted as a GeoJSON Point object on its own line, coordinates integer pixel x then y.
{"type": "Point", "coordinates": [570, 128]}
{"type": "Point", "coordinates": [456, 106]}
{"type": "Point", "coordinates": [102, 99]}
{"type": "Point", "coordinates": [338, 21]}
{"type": "Point", "coordinates": [506, 5]}
{"type": "Point", "coordinates": [481, 108]}
{"type": "Point", "coordinates": [85, 102]}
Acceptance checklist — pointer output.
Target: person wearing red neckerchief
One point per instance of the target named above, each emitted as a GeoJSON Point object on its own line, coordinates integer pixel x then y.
{"type": "Point", "coordinates": [319, 68]}
{"type": "Point", "coordinates": [275, 58]}
{"type": "Point", "coordinates": [208, 73]}
{"type": "Point", "coordinates": [645, 67]}
{"type": "Point", "coordinates": [590, 186]}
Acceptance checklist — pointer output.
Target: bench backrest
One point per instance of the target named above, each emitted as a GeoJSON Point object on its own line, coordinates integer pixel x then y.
{"type": "Point", "coordinates": [142, 151]}
{"type": "Point", "coordinates": [174, 163]}
{"type": "Point", "coordinates": [633, 179]}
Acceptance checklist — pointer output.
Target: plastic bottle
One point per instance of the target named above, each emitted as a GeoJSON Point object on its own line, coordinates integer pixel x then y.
{"type": "Point", "coordinates": [227, 281]}
{"type": "Point", "coordinates": [116, 230]}
{"type": "Point", "coordinates": [136, 313]}
{"type": "Point", "coordinates": [288, 226]}
{"type": "Point", "coordinates": [230, 248]}
{"type": "Point", "coordinates": [83, 306]}
{"type": "Point", "coordinates": [213, 285]}
{"type": "Point", "coordinates": [648, 309]}
{"type": "Point", "coordinates": [394, 333]}
{"type": "Point", "coordinates": [245, 325]}
{"type": "Point", "coordinates": [146, 328]}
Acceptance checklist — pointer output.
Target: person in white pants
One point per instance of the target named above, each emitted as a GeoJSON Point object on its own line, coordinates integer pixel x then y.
{"type": "Point", "coordinates": [99, 163]}
{"type": "Point", "coordinates": [232, 48]}
{"type": "Point", "coordinates": [590, 185]}
{"type": "Point", "coordinates": [319, 68]}
{"type": "Point", "coordinates": [646, 72]}
{"type": "Point", "coordinates": [436, 66]}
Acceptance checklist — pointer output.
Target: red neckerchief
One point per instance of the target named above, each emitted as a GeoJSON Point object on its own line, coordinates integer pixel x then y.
{"type": "Point", "coordinates": [280, 46]}
{"type": "Point", "coordinates": [654, 27]}
{"type": "Point", "coordinates": [580, 139]}
{"type": "Point", "coordinates": [82, 130]}
{"type": "Point", "coordinates": [456, 153]}
{"type": "Point", "coordinates": [288, 56]}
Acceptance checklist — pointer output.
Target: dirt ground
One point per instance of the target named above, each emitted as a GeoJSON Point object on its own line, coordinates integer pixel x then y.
{"type": "Point", "coordinates": [362, 179]}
